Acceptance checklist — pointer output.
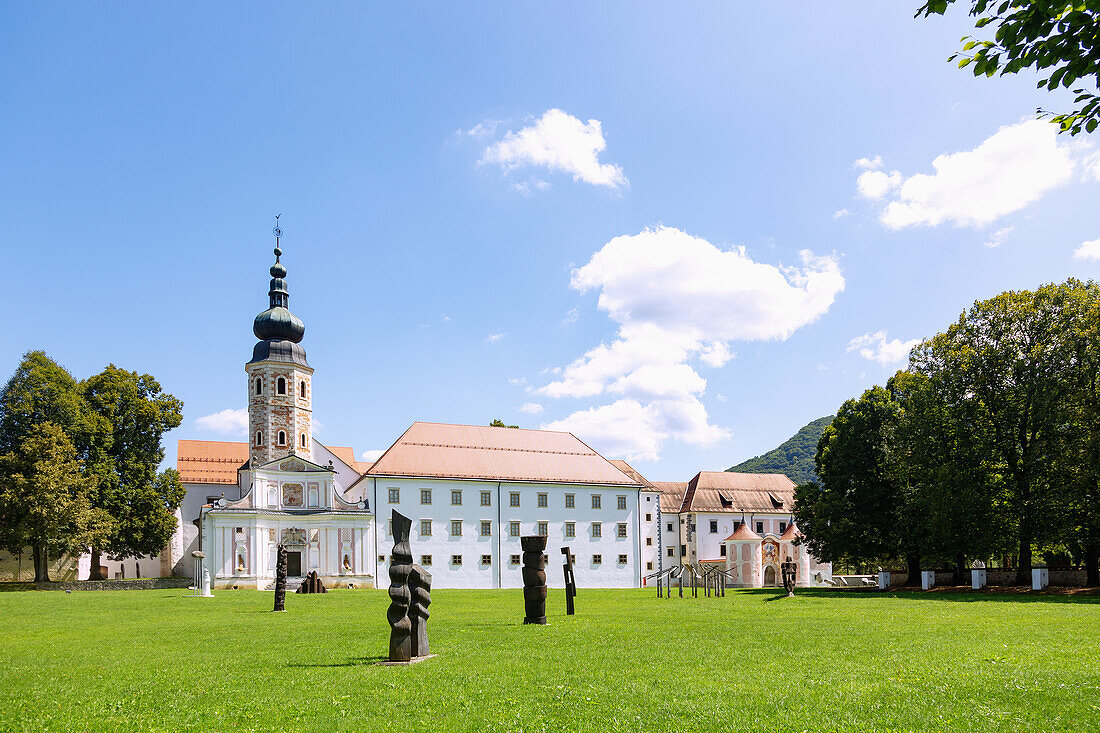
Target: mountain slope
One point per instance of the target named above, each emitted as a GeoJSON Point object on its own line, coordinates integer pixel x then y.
{"type": "Point", "coordinates": [795, 457]}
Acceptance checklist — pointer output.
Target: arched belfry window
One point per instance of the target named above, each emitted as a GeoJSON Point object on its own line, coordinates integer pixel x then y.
{"type": "Point", "coordinates": [259, 437]}
{"type": "Point", "coordinates": [303, 440]}
{"type": "Point", "coordinates": [282, 437]}
{"type": "Point", "coordinates": [280, 386]}
{"type": "Point", "coordinates": [302, 388]}
{"type": "Point", "coordinates": [259, 386]}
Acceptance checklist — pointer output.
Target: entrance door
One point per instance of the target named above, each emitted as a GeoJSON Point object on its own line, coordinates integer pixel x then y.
{"type": "Point", "coordinates": [293, 564]}
{"type": "Point", "coordinates": [769, 575]}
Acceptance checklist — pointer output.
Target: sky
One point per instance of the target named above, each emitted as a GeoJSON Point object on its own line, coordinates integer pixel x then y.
{"type": "Point", "coordinates": [680, 231]}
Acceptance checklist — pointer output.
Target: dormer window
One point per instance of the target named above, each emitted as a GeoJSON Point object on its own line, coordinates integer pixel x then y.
{"type": "Point", "coordinates": [282, 437]}
{"type": "Point", "coordinates": [280, 386]}
{"type": "Point", "coordinates": [303, 440]}
{"type": "Point", "coordinates": [302, 388]}
{"type": "Point", "coordinates": [259, 437]}
{"type": "Point", "coordinates": [259, 386]}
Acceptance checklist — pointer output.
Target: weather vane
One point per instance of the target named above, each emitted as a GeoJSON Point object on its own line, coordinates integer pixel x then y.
{"type": "Point", "coordinates": [277, 231]}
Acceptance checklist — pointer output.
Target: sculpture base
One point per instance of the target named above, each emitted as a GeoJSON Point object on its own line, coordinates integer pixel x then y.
{"type": "Point", "coordinates": [539, 621]}
{"type": "Point", "coordinates": [414, 660]}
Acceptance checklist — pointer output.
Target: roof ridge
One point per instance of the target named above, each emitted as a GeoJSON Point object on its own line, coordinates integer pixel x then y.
{"type": "Point", "coordinates": [494, 447]}
{"type": "Point", "coordinates": [495, 427]}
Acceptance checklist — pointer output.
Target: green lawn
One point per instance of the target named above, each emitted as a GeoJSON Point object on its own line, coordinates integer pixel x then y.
{"type": "Point", "coordinates": [159, 660]}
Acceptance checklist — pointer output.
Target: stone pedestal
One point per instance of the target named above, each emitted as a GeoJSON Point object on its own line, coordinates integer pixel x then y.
{"type": "Point", "coordinates": [1040, 578]}
{"type": "Point", "coordinates": [883, 580]}
{"type": "Point", "coordinates": [927, 579]}
{"type": "Point", "coordinates": [978, 579]}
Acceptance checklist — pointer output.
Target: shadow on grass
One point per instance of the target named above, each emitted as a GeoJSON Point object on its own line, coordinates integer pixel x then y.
{"type": "Point", "coordinates": [955, 594]}
{"type": "Point", "coordinates": [352, 662]}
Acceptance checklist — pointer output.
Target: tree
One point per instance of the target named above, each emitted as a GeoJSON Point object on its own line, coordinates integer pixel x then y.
{"type": "Point", "coordinates": [41, 391]}
{"type": "Point", "coordinates": [133, 416]}
{"type": "Point", "coordinates": [498, 423]}
{"type": "Point", "coordinates": [1061, 37]}
{"type": "Point", "coordinates": [44, 498]}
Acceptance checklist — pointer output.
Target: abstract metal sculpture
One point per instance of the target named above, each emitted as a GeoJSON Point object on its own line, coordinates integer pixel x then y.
{"type": "Point", "coordinates": [789, 570]}
{"type": "Point", "coordinates": [420, 587]}
{"type": "Point", "coordinates": [534, 579]}
{"type": "Point", "coordinates": [280, 579]}
{"type": "Point", "coordinates": [570, 581]}
{"type": "Point", "coordinates": [398, 613]}
{"type": "Point", "coordinates": [312, 584]}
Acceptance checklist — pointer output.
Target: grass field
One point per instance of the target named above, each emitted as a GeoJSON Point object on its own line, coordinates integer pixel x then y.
{"type": "Point", "coordinates": [158, 660]}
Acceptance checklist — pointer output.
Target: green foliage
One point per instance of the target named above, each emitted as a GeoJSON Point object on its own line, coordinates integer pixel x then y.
{"type": "Point", "coordinates": [821, 661]}
{"type": "Point", "coordinates": [1061, 37]}
{"type": "Point", "coordinates": [41, 391]}
{"type": "Point", "coordinates": [794, 457]}
{"type": "Point", "coordinates": [498, 423]}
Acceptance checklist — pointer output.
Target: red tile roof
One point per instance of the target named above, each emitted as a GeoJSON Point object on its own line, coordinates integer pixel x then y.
{"type": "Point", "coordinates": [496, 454]}
{"type": "Point", "coordinates": [736, 493]}
{"type": "Point", "coordinates": [631, 472]}
{"type": "Point", "coordinates": [791, 533]}
{"type": "Point", "coordinates": [743, 533]}
{"type": "Point", "coordinates": [209, 461]}
{"type": "Point", "coordinates": [672, 495]}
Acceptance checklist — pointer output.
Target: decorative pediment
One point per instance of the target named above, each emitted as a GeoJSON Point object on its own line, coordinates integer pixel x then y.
{"type": "Point", "coordinates": [294, 464]}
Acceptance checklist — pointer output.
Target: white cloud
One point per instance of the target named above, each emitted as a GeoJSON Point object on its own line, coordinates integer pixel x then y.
{"type": "Point", "coordinates": [316, 425]}
{"type": "Point", "coordinates": [869, 164]}
{"type": "Point", "coordinates": [572, 316]}
{"type": "Point", "coordinates": [840, 213]}
{"type": "Point", "coordinates": [531, 408]}
{"type": "Point", "coordinates": [998, 237]}
{"type": "Point", "coordinates": [1011, 169]}
{"type": "Point", "coordinates": [720, 398]}
{"type": "Point", "coordinates": [557, 141]}
{"type": "Point", "coordinates": [679, 300]}
{"type": "Point", "coordinates": [518, 381]}
{"type": "Point", "coordinates": [371, 455]}
{"type": "Point", "coordinates": [876, 184]}
{"type": "Point", "coordinates": [494, 337]}
{"type": "Point", "coordinates": [227, 422]}
{"type": "Point", "coordinates": [875, 347]}
{"type": "Point", "coordinates": [1088, 250]}
{"type": "Point", "coordinates": [446, 318]}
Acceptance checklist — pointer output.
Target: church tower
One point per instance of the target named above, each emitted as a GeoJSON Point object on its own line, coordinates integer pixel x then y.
{"type": "Point", "coordinates": [280, 381]}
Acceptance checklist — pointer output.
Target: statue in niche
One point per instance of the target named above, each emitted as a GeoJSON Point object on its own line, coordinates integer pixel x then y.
{"type": "Point", "coordinates": [789, 570]}
{"type": "Point", "coordinates": [534, 579]}
{"type": "Point", "coordinates": [312, 584]}
{"type": "Point", "coordinates": [280, 579]}
{"type": "Point", "coordinates": [570, 581]}
{"type": "Point", "coordinates": [400, 598]}
{"type": "Point", "coordinates": [420, 587]}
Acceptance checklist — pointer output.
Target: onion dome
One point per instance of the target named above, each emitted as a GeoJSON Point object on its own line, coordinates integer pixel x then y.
{"type": "Point", "coordinates": [277, 322]}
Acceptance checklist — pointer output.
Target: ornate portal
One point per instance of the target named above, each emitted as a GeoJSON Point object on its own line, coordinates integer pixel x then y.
{"type": "Point", "coordinates": [295, 537]}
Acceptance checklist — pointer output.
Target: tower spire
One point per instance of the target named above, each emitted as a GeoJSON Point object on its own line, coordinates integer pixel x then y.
{"type": "Point", "coordinates": [277, 322]}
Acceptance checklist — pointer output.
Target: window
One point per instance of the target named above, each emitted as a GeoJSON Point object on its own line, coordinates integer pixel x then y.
{"type": "Point", "coordinates": [620, 529]}
{"type": "Point", "coordinates": [597, 559]}
{"type": "Point", "coordinates": [456, 497]}
{"type": "Point", "coordinates": [486, 529]}
{"type": "Point", "coordinates": [513, 498]}
{"type": "Point", "coordinates": [389, 527]}
{"type": "Point", "coordinates": [670, 526]}
{"type": "Point", "coordinates": [425, 496]}
{"type": "Point", "coordinates": [456, 527]}
{"type": "Point", "coordinates": [282, 437]}
{"type": "Point", "coordinates": [515, 559]}
{"type": "Point", "coordinates": [622, 559]}
{"type": "Point", "coordinates": [736, 526]}
{"type": "Point", "coordinates": [543, 529]}
{"type": "Point", "coordinates": [280, 386]}
{"type": "Point", "coordinates": [486, 559]}
{"type": "Point", "coordinates": [570, 501]}
{"type": "Point", "coordinates": [426, 560]}
{"type": "Point", "coordinates": [302, 388]}
{"type": "Point", "coordinates": [486, 498]}
{"type": "Point", "coordinates": [683, 550]}
{"type": "Point", "coordinates": [759, 528]}
{"type": "Point", "coordinates": [570, 529]}
{"type": "Point", "coordinates": [620, 502]}
{"type": "Point", "coordinates": [597, 529]}
{"type": "Point", "coordinates": [259, 437]}
{"type": "Point", "coordinates": [595, 501]}
{"type": "Point", "coordinates": [303, 441]}
{"type": "Point", "coordinates": [714, 526]}
{"type": "Point", "coordinates": [513, 529]}
{"type": "Point", "coordinates": [259, 386]}
{"type": "Point", "coordinates": [671, 552]}
{"type": "Point", "coordinates": [649, 517]}
{"type": "Point", "coordinates": [722, 550]}
{"type": "Point", "coordinates": [649, 566]}
{"type": "Point", "coordinates": [782, 527]}
{"type": "Point", "coordinates": [649, 542]}
{"type": "Point", "coordinates": [425, 528]}
{"type": "Point", "coordinates": [456, 559]}
{"type": "Point", "coordinates": [395, 496]}
{"type": "Point", "coordinates": [543, 502]}
{"type": "Point", "coordinates": [381, 558]}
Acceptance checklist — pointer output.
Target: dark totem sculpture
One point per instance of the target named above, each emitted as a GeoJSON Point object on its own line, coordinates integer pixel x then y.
{"type": "Point", "coordinates": [312, 584]}
{"type": "Point", "coordinates": [534, 579]}
{"type": "Point", "coordinates": [420, 586]}
{"type": "Point", "coordinates": [570, 581]}
{"type": "Point", "coordinates": [789, 568]}
{"type": "Point", "coordinates": [401, 565]}
{"type": "Point", "coordinates": [280, 579]}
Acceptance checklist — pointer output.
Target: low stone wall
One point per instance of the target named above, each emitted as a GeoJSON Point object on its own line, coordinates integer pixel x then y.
{"type": "Point", "coordinates": [135, 584]}
{"type": "Point", "coordinates": [997, 577]}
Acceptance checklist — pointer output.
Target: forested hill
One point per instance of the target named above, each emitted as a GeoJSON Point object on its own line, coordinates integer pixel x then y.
{"type": "Point", "coordinates": [795, 457]}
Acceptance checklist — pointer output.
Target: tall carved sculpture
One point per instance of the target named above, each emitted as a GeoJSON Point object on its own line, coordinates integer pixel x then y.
{"type": "Point", "coordinates": [280, 579]}
{"type": "Point", "coordinates": [534, 579]}
{"type": "Point", "coordinates": [398, 613]}
{"type": "Point", "coordinates": [420, 588]}
{"type": "Point", "coordinates": [570, 581]}
{"type": "Point", "coordinates": [789, 570]}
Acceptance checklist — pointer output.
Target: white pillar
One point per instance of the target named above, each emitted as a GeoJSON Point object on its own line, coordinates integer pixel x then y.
{"type": "Point", "coordinates": [927, 579]}
{"type": "Point", "coordinates": [206, 591]}
{"type": "Point", "coordinates": [1040, 578]}
{"type": "Point", "coordinates": [977, 578]}
{"type": "Point", "coordinates": [883, 579]}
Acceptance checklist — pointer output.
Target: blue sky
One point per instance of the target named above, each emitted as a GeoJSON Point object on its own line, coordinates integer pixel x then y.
{"type": "Point", "coordinates": [493, 206]}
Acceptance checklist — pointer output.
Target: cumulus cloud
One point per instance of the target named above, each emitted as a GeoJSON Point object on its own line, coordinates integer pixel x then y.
{"type": "Point", "coordinates": [875, 347]}
{"type": "Point", "coordinates": [868, 164]}
{"type": "Point", "coordinates": [1011, 169]}
{"type": "Point", "coordinates": [1088, 250]}
{"type": "Point", "coordinates": [998, 237]}
{"type": "Point", "coordinates": [371, 455]}
{"type": "Point", "coordinates": [531, 408]}
{"type": "Point", "coordinates": [227, 422]}
{"type": "Point", "coordinates": [679, 301]}
{"type": "Point", "coordinates": [557, 141]}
